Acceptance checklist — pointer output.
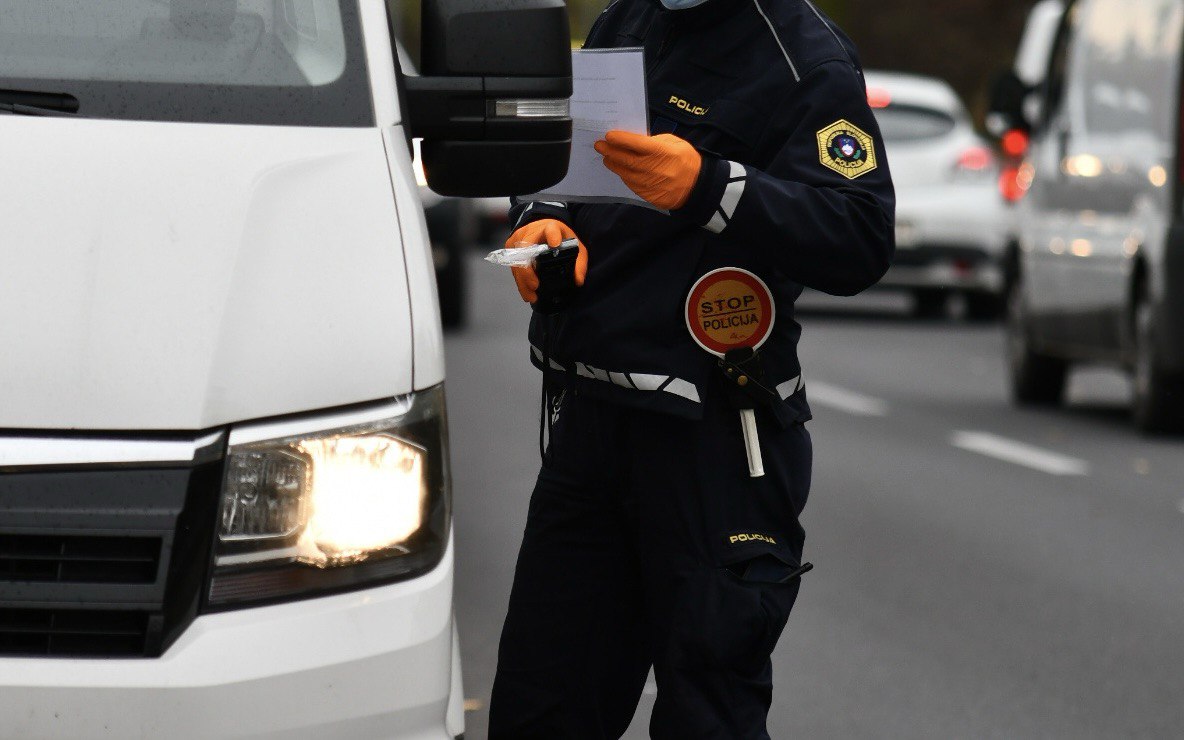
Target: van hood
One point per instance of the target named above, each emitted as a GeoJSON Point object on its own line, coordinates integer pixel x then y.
{"type": "Point", "coordinates": [172, 276]}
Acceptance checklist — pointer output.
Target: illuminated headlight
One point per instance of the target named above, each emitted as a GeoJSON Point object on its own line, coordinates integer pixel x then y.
{"type": "Point", "coordinates": [361, 498]}
{"type": "Point", "coordinates": [342, 498]}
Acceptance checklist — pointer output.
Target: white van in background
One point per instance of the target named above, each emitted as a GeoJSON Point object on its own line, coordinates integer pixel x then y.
{"type": "Point", "coordinates": [1098, 270]}
{"type": "Point", "coordinates": [224, 486]}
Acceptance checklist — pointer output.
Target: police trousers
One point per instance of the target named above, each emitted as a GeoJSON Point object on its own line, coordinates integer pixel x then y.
{"type": "Point", "coordinates": [647, 544]}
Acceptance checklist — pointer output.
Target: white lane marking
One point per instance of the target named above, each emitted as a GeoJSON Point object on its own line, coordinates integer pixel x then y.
{"type": "Point", "coordinates": [1019, 453]}
{"type": "Point", "coordinates": [1181, 506]}
{"type": "Point", "coordinates": [651, 688]}
{"type": "Point", "coordinates": [844, 400]}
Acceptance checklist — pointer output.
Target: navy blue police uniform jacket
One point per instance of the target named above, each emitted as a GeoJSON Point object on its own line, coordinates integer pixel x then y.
{"type": "Point", "coordinates": [794, 187]}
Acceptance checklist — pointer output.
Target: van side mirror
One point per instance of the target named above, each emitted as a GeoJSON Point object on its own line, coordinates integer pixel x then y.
{"type": "Point", "coordinates": [492, 101]}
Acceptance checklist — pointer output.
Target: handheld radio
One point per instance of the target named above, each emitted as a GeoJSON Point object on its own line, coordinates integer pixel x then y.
{"type": "Point", "coordinates": [556, 269]}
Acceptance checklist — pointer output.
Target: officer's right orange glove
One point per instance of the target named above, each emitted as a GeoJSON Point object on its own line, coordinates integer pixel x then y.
{"type": "Point", "coordinates": [662, 169]}
{"type": "Point", "coordinates": [553, 232]}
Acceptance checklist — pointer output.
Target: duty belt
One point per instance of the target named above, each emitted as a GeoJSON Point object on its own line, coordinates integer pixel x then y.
{"type": "Point", "coordinates": [650, 382]}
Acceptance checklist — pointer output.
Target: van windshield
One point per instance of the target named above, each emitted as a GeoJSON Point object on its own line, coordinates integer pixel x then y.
{"type": "Point", "coordinates": [274, 62]}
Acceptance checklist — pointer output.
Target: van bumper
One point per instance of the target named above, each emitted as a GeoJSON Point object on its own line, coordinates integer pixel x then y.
{"type": "Point", "coordinates": [376, 663]}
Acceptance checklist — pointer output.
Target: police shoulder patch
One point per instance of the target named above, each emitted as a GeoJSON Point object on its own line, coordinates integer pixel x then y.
{"type": "Point", "coordinates": [846, 149]}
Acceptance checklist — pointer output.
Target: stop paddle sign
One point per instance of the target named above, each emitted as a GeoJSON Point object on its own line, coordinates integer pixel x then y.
{"type": "Point", "coordinates": [729, 309]}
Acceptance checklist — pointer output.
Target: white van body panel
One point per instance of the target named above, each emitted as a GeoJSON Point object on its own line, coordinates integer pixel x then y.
{"type": "Point", "coordinates": [428, 334]}
{"type": "Point", "coordinates": [1031, 60]}
{"type": "Point", "coordinates": [380, 62]}
{"type": "Point", "coordinates": [183, 276]}
{"type": "Point", "coordinates": [367, 664]}
{"type": "Point", "coordinates": [178, 276]}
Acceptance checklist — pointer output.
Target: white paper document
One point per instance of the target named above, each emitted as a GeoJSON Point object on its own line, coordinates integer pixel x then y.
{"type": "Point", "coordinates": [608, 92]}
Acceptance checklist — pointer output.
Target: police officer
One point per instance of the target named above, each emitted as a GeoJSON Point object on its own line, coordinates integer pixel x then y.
{"type": "Point", "coordinates": [649, 541]}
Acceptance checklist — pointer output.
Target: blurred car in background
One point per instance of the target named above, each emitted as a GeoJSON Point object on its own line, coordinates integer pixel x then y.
{"type": "Point", "coordinates": [1099, 269]}
{"type": "Point", "coordinates": [949, 235]}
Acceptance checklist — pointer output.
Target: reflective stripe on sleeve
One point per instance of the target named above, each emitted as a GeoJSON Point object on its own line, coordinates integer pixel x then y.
{"type": "Point", "coordinates": [733, 192]}
{"type": "Point", "coordinates": [530, 206]}
{"type": "Point", "coordinates": [522, 216]}
{"type": "Point", "coordinates": [736, 181]}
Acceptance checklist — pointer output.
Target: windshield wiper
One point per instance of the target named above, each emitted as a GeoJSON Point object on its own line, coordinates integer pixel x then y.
{"type": "Point", "coordinates": [20, 109]}
{"type": "Point", "coordinates": [29, 103]}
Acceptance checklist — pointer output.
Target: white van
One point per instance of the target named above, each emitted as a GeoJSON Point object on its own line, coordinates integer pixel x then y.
{"type": "Point", "coordinates": [1098, 273]}
{"type": "Point", "coordinates": [224, 487]}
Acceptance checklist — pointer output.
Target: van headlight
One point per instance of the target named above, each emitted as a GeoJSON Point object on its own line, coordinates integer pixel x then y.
{"type": "Point", "coordinates": [320, 505]}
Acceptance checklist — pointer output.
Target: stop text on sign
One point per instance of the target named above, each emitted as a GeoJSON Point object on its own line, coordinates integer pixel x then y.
{"type": "Point", "coordinates": [728, 309]}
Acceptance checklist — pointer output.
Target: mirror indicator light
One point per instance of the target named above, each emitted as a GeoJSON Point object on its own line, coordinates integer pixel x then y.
{"type": "Point", "coordinates": [532, 108]}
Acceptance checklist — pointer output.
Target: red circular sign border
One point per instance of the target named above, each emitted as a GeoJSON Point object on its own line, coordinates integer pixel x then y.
{"type": "Point", "coordinates": [744, 276]}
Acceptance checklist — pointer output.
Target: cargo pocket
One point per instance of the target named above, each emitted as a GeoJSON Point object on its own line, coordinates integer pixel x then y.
{"type": "Point", "coordinates": [733, 615]}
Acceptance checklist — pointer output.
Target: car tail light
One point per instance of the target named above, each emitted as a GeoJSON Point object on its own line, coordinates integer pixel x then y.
{"type": "Point", "coordinates": [976, 159]}
{"type": "Point", "coordinates": [878, 97]}
{"type": "Point", "coordinates": [1016, 176]}
{"type": "Point", "coordinates": [1015, 143]}
{"type": "Point", "coordinates": [1014, 182]}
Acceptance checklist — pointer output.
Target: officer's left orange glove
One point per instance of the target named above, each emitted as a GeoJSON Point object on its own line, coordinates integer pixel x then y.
{"type": "Point", "coordinates": [552, 232]}
{"type": "Point", "coordinates": [662, 169]}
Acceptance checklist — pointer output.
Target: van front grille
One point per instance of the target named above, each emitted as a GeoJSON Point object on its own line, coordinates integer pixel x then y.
{"type": "Point", "coordinates": [104, 560]}
{"type": "Point", "coordinates": [66, 632]}
{"type": "Point", "coordinates": [76, 559]}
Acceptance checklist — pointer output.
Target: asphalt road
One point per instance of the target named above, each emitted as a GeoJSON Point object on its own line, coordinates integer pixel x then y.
{"type": "Point", "coordinates": [982, 571]}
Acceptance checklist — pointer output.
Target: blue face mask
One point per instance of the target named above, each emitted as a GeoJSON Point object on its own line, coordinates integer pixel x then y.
{"type": "Point", "coordinates": [681, 4]}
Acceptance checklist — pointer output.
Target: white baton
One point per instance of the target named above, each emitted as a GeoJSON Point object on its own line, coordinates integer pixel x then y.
{"type": "Point", "coordinates": [752, 444]}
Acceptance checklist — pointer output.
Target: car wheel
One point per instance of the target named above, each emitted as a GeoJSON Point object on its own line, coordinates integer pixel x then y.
{"type": "Point", "coordinates": [1158, 405]}
{"type": "Point", "coordinates": [983, 306]}
{"type": "Point", "coordinates": [1036, 379]}
{"type": "Point", "coordinates": [930, 303]}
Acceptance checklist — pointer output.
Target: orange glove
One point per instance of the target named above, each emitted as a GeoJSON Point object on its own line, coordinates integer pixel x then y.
{"type": "Point", "coordinates": [551, 231]}
{"type": "Point", "coordinates": [662, 169]}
